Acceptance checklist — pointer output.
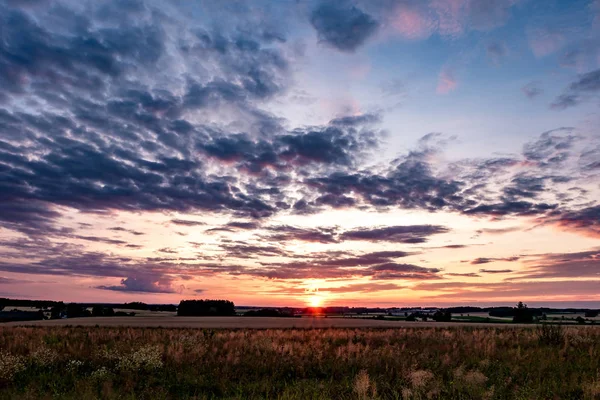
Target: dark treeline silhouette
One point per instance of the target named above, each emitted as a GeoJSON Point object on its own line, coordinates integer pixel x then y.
{"type": "Point", "coordinates": [136, 305]}
{"type": "Point", "coordinates": [5, 303]}
{"type": "Point", "coordinates": [198, 308]}
{"type": "Point", "coordinates": [9, 316]}
{"type": "Point", "coordinates": [269, 312]}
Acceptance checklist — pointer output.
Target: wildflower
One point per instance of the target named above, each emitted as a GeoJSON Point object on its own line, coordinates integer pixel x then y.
{"type": "Point", "coordinates": [10, 365]}
{"type": "Point", "coordinates": [74, 365]}
{"type": "Point", "coordinates": [100, 373]}
{"type": "Point", "coordinates": [146, 358]}
{"type": "Point", "coordinates": [44, 357]}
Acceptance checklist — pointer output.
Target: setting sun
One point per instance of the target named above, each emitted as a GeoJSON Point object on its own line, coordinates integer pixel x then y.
{"type": "Point", "coordinates": [316, 301]}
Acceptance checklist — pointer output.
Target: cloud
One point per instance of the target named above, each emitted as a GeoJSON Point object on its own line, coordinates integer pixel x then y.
{"type": "Point", "coordinates": [485, 260]}
{"type": "Point", "coordinates": [578, 91]}
{"type": "Point", "coordinates": [412, 21]}
{"type": "Point", "coordinates": [11, 281]}
{"type": "Point", "coordinates": [532, 90]}
{"type": "Point", "coordinates": [362, 288]}
{"type": "Point", "coordinates": [499, 231]}
{"type": "Point", "coordinates": [495, 271]}
{"type": "Point", "coordinates": [449, 19]}
{"type": "Point", "coordinates": [496, 51]}
{"type": "Point", "coordinates": [284, 233]}
{"type": "Point", "coordinates": [376, 266]}
{"type": "Point", "coordinates": [511, 291]}
{"type": "Point", "coordinates": [396, 234]}
{"type": "Point", "coordinates": [356, 120]}
{"type": "Point", "coordinates": [585, 221]}
{"type": "Point", "coordinates": [545, 41]}
{"type": "Point", "coordinates": [187, 222]}
{"type": "Point", "coordinates": [447, 82]}
{"type": "Point", "coordinates": [343, 28]}
{"type": "Point", "coordinates": [245, 251]}
{"type": "Point", "coordinates": [121, 229]}
{"type": "Point", "coordinates": [585, 264]}
{"type": "Point", "coordinates": [142, 285]}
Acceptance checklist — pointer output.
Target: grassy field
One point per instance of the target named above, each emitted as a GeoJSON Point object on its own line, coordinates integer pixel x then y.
{"type": "Point", "coordinates": [168, 321]}
{"type": "Point", "coordinates": [402, 363]}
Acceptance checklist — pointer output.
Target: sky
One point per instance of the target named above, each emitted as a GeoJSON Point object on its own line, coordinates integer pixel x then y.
{"type": "Point", "coordinates": [301, 152]}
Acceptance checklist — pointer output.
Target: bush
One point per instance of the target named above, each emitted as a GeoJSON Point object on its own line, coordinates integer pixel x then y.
{"type": "Point", "coordinates": [552, 335]}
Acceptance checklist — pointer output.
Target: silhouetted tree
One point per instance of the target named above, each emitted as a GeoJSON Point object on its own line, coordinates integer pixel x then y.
{"type": "Point", "coordinates": [76, 311]}
{"type": "Point", "coordinates": [442, 316]}
{"type": "Point", "coordinates": [57, 311]}
{"type": "Point", "coordinates": [580, 320]}
{"type": "Point", "coordinates": [591, 313]}
{"type": "Point", "coordinates": [522, 314]}
{"type": "Point", "coordinates": [100, 311]}
{"type": "Point", "coordinates": [206, 308]}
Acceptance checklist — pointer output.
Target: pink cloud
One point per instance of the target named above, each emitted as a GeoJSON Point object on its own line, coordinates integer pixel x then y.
{"type": "Point", "coordinates": [544, 42]}
{"type": "Point", "coordinates": [412, 22]}
{"type": "Point", "coordinates": [451, 16]}
{"type": "Point", "coordinates": [446, 82]}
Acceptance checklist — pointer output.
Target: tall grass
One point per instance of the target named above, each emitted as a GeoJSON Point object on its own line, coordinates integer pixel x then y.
{"type": "Point", "coordinates": [404, 363]}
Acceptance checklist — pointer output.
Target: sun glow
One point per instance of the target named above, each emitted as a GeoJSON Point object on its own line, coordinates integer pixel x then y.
{"type": "Point", "coordinates": [316, 301]}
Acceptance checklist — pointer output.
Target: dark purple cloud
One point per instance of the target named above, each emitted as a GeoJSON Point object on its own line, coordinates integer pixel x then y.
{"type": "Point", "coordinates": [485, 260]}
{"type": "Point", "coordinates": [495, 271]}
{"type": "Point", "coordinates": [396, 234]}
{"type": "Point", "coordinates": [343, 27]}
{"type": "Point", "coordinates": [187, 222]}
{"type": "Point", "coordinates": [579, 90]}
{"type": "Point", "coordinates": [142, 285]}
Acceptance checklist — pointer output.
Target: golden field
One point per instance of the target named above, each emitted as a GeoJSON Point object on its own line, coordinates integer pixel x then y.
{"type": "Point", "coordinates": [335, 363]}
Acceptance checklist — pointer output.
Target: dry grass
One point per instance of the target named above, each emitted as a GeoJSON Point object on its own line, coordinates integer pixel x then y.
{"type": "Point", "coordinates": [167, 320]}
{"type": "Point", "coordinates": [403, 363]}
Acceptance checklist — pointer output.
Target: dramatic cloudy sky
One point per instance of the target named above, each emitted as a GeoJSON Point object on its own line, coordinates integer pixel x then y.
{"type": "Point", "coordinates": [293, 152]}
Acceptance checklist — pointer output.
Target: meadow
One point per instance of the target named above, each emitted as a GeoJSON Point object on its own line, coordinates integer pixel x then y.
{"type": "Point", "coordinates": [400, 363]}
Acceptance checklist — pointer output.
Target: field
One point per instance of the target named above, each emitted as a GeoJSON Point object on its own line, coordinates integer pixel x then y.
{"type": "Point", "coordinates": [400, 363]}
{"type": "Point", "coordinates": [169, 321]}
